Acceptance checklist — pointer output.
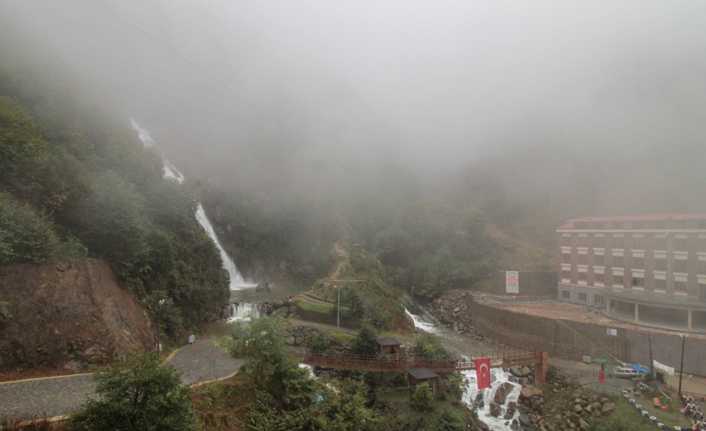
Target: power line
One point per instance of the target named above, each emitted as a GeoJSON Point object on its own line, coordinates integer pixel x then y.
{"type": "Point", "coordinates": [235, 93]}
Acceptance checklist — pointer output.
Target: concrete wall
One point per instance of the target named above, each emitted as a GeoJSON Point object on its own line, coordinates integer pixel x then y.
{"type": "Point", "coordinates": [594, 297]}
{"type": "Point", "coordinates": [326, 318]}
{"type": "Point", "coordinates": [531, 283]}
{"type": "Point", "coordinates": [573, 340]}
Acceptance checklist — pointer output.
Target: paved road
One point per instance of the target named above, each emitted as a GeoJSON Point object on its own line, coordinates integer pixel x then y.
{"type": "Point", "coordinates": [58, 396]}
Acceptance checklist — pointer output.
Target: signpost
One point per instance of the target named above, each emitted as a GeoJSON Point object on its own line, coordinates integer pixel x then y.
{"type": "Point", "coordinates": [512, 282]}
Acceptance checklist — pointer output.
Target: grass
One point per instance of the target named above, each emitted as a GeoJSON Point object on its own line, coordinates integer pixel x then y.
{"type": "Point", "coordinates": [626, 412]}
{"type": "Point", "coordinates": [315, 307]}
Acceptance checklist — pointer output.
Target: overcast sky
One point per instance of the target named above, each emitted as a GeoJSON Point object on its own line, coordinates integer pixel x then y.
{"type": "Point", "coordinates": [428, 82]}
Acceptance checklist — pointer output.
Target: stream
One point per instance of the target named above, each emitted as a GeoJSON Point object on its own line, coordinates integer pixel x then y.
{"type": "Point", "coordinates": [468, 347]}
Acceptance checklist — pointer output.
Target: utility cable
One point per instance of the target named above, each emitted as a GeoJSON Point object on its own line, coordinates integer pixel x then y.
{"type": "Point", "coordinates": [235, 93]}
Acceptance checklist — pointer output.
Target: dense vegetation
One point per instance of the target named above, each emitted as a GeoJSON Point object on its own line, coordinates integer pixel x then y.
{"type": "Point", "coordinates": [138, 394]}
{"type": "Point", "coordinates": [73, 185]}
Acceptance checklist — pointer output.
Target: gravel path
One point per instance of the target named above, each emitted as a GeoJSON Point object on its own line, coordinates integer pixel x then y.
{"type": "Point", "coordinates": [58, 396]}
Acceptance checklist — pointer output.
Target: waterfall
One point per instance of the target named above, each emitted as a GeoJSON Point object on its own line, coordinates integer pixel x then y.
{"type": "Point", "coordinates": [171, 172]}
{"type": "Point", "coordinates": [487, 394]}
{"type": "Point", "coordinates": [242, 311]}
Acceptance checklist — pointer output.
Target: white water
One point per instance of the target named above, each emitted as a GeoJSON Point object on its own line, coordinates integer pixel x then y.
{"type": "Point", "coordinates": [500, 377]}
{"type": "Point", "coordinates": [242, 311]}
{"type": "Point", "coordinates": [421, 324]}
{"type": "Point", "coordinates": [170, 171]}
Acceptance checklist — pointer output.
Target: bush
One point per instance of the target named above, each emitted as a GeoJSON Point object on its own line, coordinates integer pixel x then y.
{"type": "Point", "coordinates": [422, 400]}
{"type": "Point", "coordinates": [146, 396]}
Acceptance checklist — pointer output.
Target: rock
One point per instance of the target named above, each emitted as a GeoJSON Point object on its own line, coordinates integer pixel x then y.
{"type": "Point", "coordinates": [278, 304]}
{"type": "Point", "coordinates": [75, 366]}
{"type": "Point", "coordinates": [511, 406]}
{"type": "Point", "coordinates": [530, 391]}
{"type": "Point", "coordinates": [596, 406]}
{"type": "Point", "coordinates": [524, 420]}
{"type": "Point", "coordinates": [508, 415]}
{"type": "Point", "coordinates": [577, 408]}
{"type": "Point", "coordinates": [482, 425]}
{"type": "Point", "coordinates": [525, 371]}
{"type": "Point", "coordinates": [289, 340]}
{"type": "Point", "coordinates": [262, 288]}
{"type": "Point", "coordinates": [607, 407]}
{"type": "Point", "coordinates": [502, 392]}
{"type": "Point", "coordinates": [574, 418]}
{"type": "Point", "coordinates": [604, 400]}
{"type": "Point", "coordinates": [282, 311]}
{"type": "Point", "coordinates": [495, 410]}
{"type": "Point", "coordinates": [584, 425]}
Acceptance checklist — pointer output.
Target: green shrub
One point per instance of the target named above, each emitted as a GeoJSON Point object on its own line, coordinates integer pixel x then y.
{"type": "Point", "coordinates": [25, 236]}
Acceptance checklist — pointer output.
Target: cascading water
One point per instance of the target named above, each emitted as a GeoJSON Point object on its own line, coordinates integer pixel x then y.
{"type": "Point", "coordinates": [488, 394]}
{"type": "Point", "coordinates": [242, 311]}
{"type": "Point", "coordinates": [236, 280]}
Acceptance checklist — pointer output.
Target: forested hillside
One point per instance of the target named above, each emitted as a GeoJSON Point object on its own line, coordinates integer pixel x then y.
{"type": "Point", "coordinates": [76, 184]}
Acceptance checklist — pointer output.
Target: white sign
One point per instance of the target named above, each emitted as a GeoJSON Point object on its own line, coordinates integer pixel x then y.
{"type": "Point", "coordinates": [613, 332]}
{"type": "Point", "coordinates": [512, 282]}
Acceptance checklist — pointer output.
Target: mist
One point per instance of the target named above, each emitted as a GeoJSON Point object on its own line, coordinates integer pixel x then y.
{"type": "Point", "coordinates": [277, 92]}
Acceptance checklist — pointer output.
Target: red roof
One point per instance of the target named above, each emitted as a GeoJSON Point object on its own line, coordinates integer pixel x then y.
{"type": "Point", "coordinates": [570, 224]}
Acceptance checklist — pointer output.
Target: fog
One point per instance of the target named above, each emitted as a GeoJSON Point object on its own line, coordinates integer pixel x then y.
{"type": "Point", "coordinates": [282, 86]}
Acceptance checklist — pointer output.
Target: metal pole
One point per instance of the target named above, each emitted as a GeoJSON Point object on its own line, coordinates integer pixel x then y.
{"type": "Point", "coordinates": [159, 322]}
{"type": "Point", "coordinates": [338, 319]}
{"type": "Point", "coordinates": [649, 342]}
{"type": "Point", "coordinates": [681, 367]}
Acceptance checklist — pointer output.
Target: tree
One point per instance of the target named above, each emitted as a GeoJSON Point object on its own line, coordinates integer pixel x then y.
{"type": "Point", "coordinates": [422, 399]}
{"type": "Point", "coordinates": [365, 344]}
{"type": "Point", "coordinates": [446, 420]}
{"type": "Point", "coordinates": [430, 348]}
{"type": "Point", "coordinates": [145, 396]}
{"type": "Point", "coordinates": [268, 362]}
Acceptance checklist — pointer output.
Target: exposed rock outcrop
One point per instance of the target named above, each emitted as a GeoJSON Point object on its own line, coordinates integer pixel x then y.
{"type": "Point", "coordinates": [68, 312]}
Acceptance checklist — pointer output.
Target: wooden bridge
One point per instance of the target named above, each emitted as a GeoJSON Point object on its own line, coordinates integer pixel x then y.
{"type": "Point", "coordinates": [374, 363]}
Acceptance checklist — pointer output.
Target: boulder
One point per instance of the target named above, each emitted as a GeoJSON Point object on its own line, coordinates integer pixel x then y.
{"type": "Point", "coordinates": [483, 426]}
{"type": "Point", "coordinates": [584, 425]}
{"type": "Point", "coordinates": [524, 420]}
{"type": "Point", "coordinates": [502, 392]}
{"type": "Point", "coordinates": [608, 407]}
{"type": "Point", "coordinates": [495, 410]}
{"type": "Point", "coordinates": [530, 391]}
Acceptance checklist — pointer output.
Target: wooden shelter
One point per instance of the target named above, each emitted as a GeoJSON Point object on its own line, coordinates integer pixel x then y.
{"type": "Point", "coordinates": [389, 346]}
{"type": "Point", "coordinates": [417, 376]}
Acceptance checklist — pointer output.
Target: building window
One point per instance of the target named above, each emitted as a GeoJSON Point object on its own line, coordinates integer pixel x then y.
{"type": "Point", "coordinates": [583, 276]}
{"type": "Point", "coordinates": [679, 224]}
{"type": "Point", "coordinates": [598, 241]}
{"type": "Point", "coordinates": [583, 297]}
{"type": "Point", "coordinates": [618, 280]}
{"type": "Point", "coordinates": [638, 262]}
{"type": "Point", "coordinates": [618, 261]}
{"type": "Point", "coordinates": [660, 264]}
{"type": "Point", "coordinates": [661, 224]}
{"type": "Point", "coordinates": [618, 242]}
{"type": "Point", "coordinates": [661, 285]}
{"type": "Point", "coordinates": [583, 241]}
{"type": "Point", "coordinates": [566, 294]}
{"type": "Point", "coordinates": [702, 244]}
{"type": "Point", "coordinates": [566, 274]}
{"type": "Point", "coordinates": [638, 282]}
{"type": "Point", "coordinates": [701, 224]}
{"type": "Point", "coordinates": [680, 286]}
{"type": "Point", "coordinates": [660, 243]}
{"type": "Point", "coordinates": [638, 242]}
{"type": "Point", "coordinates": [637, 224]}
{"type": "Point", "coordinates": [565, 240]}
{"type": "Point", "coordinates": [566, 258]}
{"type": "Point", "coordinates": [680, 266]}
{"type": "Point", "coordinates": [599, 299]}
{"type": "Point", "coordinates": [681, 244]}
{"type": "Point", "coordinates": [583, 258]}
{"type": "Point", "coordinates": [702, 267]}
{"type": "Point", "coordinates": [599, 260]}
{"type": "Point", "coordinates": [599, 278]}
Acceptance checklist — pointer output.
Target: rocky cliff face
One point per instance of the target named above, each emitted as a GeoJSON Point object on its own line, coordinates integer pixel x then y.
{"type": "Point", "coordinates": [67, 312]}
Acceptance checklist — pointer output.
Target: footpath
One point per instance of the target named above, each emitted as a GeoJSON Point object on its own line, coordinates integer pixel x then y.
{"type": "Point", "coordinates": [57, 396]}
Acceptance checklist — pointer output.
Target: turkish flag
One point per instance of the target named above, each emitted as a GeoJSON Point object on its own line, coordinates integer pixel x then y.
{"type": "Point", "coordinates": [483, 372]}
{"type": "Point", "coordinates": [601, 377]}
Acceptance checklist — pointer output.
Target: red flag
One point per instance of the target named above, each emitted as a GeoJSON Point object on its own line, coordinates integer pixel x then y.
{"type": "Point", "coordinates": [483, 372]}
{"type": "Point", "coordinates": [601, 376]}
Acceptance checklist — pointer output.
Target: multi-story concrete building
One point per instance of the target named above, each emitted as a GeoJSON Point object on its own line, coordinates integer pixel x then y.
{"type": "Point", "coordinates": [649, 270]}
